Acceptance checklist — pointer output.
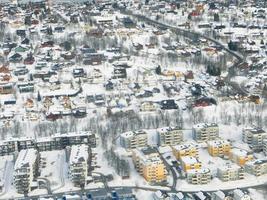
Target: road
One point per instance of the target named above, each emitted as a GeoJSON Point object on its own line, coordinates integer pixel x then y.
{"type": "Point", "coordinates": [47, 185]}
{"type": "Point", "coordinates": [170, 169]}
{"type": "Point", "coordinates": [151, 189]}
{"type": "Point", "coordinates": [185, 32]}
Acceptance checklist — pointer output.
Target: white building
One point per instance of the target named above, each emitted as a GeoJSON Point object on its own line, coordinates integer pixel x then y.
{"type": "Point", "coordinates": [240, 195]}
{"type": "Point", "coordinates": [265, 146]}
{"type": "Point", "coordinates": [256, 167]}
{"type": "Point", "coordinates": [219, 195]}
{"type": "Point", "coordinates": [230, 172]}
{"type": "Point", "coordinates": [198, 176]}
{"type": "Point", "coordinates": [254, 137]}
{"type": "Point", "coordinates": [205, 132]}
{"type": "Point", "coordinates": [79, 164]}
{"type": "Point", "coordinates": [25, 170]}
{"type": "Point", "coordinates": [133, 139]}
{"type": "Point", "coordinates": [170, 136]}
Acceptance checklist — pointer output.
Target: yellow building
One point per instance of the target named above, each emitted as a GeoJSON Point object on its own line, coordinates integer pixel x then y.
{"type": "Point", "coordinates": [240, 156]}
{"type": "Point", "coordinates": [182, 150]}
{"type": "Point", "coordinates": [219, 148]}
{"type": "Point", "coordinates": [189, 163]}
{"type": "Point", "coordinates": [149, 164]}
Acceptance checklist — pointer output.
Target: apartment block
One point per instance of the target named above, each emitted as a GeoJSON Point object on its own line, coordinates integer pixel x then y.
{"type": "Point", "coordinates": [54, 142]}
{"type": "Point", "coordinates": [230, 172]}
{"type": "Point", "coordinates": [219, 148]}
{"type": "Point", "coordinates": [133, 139]}
{"type": "Point", "coordinates": [265, 146]}
{"type": "Point", "coordinates": [79, 163]}
{"type": "Point", "coordinates": [198, 176]}
{"type": "Point", "coordinates": [170, 136]}
{"type": "Point", "coordinates": [240, 156]}
{"type": "Point", "coordinates": [182, 150]}
{"type": "Point", "coordinates": [148, 163]}
{"type": "Point", "coordinates": [256, 167]}
{"type": "Point", "coordinates": [189, 163]}
{"type": "Point", "coordinates": [25, 170]}
{"type": "Point", "coordinates": [254, 137]}
{"type": "Point", "coordinates": [205, 132]}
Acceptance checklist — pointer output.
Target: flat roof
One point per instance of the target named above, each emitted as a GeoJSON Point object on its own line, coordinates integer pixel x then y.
{"type": "Point", "coordinates": [79, 154]}
{"type": "Point", "coordinates": [25, 158]}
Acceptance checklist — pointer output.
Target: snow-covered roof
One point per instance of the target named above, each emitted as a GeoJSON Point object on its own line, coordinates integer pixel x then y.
{"type": "Point", "coordinates": [26, 158]}
{"type": "Point", "coordinates": [166, 129]}
{"type": "Point", "coordinates": [216, 143]}
{"type": "Point", "coordinates": [239, 152]}
{"type": "Point", "coordinates": [79, 154]}
{"type": "Point", "coordinates": [257, 162]}
{"type": "Point", "coordinates": [189, 160]}
{"type": "Point", "coordinates": [185, 146]}
{"type": "Point", "coordinates": [198, 171]}
{"type": "Point", "coordinates": [220, 194]}
{"type": "Point", "coordinates": [148, 155]}
{"type": "Point", "coordinates": [229, 167]}
{"type": "Point", "coordinates": [205, 125]}
{"type": "Point", "coordinates": [130, 134]}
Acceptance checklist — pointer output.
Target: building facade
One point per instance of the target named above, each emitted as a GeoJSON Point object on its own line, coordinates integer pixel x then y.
{"type": "Point", "coordinates": [219, 148]}
{"type": "Point", "coordinates": [26, 170]}
{"type": "Point", "coordinates": [256, 167]}
{"type": "Point", "coordinates": [240, 156]}
{"type": "Point", "coordinates": [265, 146]}
{"type": "Point", "coordinates": [133, 139]}
{"type": "Point", "coordinates": [170, 136]}
{"type": "Point", "coordinates": [182, 150]}
{"type": "Point", "coordinates": [79, 164]}
{"type": "Point", "coordinates": [230, 173]}
{"type": "Point", "coordinates": [254, 137]}
{"type": "Point", "coordinates": [205, 132]}
{"type": "Point", "coordinates": [189, 163]}
{"type": "Point", "coordinates": [54, 142]}
{"type": "Point", "coordinates": [198, 176]}
{"type": "Point", "coordinates": [149, 164]}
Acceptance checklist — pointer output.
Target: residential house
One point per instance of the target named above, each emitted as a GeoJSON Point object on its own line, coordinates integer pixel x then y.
{"type": "Point", "coordinates": [147, 106]}
{"type": "Point", "coordinates": [6, 88]}
{"type": "Point", "coordinates": [240, 195]}
{"type": "Point", "coordinates": [219, 195]}
{"type": "Point", "coordinates": [15, 58]}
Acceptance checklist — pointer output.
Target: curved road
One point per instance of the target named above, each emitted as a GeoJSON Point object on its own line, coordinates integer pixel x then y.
{"type": "Point", "coordinates": [185, 32]}
{"type": "Point", "coordinates": [240, 60]}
